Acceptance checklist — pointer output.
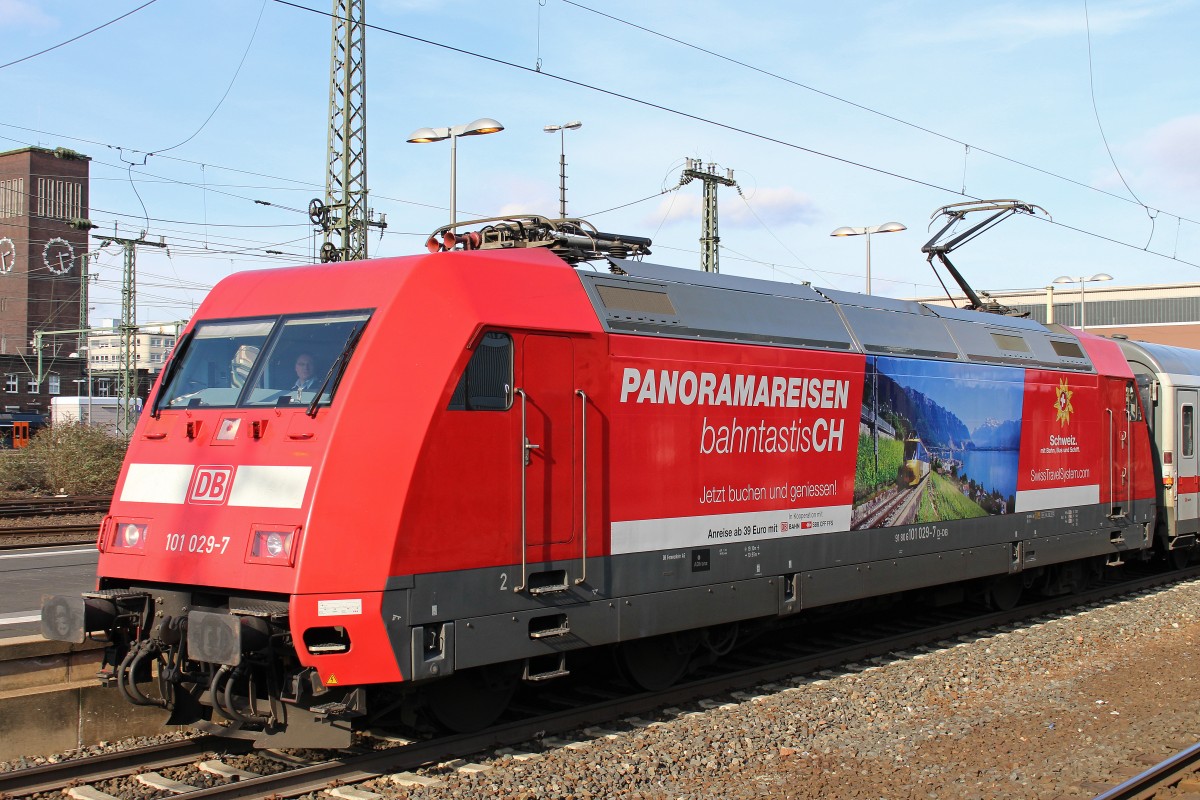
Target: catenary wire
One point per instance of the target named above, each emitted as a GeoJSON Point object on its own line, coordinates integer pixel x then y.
{"type": "Point", "coordinates": [868, 109]}
{"type": "Point", "coordinates": [712, 122]}
{"type": "Point", "coordinates": [80, 36]}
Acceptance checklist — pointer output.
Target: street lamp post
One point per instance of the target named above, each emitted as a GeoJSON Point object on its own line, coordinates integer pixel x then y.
{"type": "Point", "coordinates": [887, 227]}
{"type": "Point", "coordinates": [477, 128]}
{"type": "Point", "coordinates": [1082, 281]}
{"type": "Point", "coordinates": [561, 130]}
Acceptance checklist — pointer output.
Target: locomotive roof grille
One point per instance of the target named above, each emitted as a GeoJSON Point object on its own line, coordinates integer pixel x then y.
{"type": "Point", "coordinates": [655, 300]}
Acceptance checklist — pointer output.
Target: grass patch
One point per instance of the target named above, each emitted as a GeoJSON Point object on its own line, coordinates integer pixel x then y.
{"type": "Point", "coordinates": [950, 502]}
{"type": "Point", "coordinates": [867, 479]}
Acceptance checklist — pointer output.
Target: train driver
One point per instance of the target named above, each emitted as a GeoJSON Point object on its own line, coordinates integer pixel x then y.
{"type": "Point", "coordinates": [305, 375]}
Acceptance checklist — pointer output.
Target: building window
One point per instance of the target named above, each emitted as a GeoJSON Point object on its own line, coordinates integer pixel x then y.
{"type": "Point", "coordinates": [11, 382]}
{"type": "Point", "coordinates": [54, 384]}
{"type": "Point", "coordinates": [59, 199]}
{"type": "Point", "coordinates": [31, 385]}
{"type": "Point", "coordinates": [102, 387]}
{"type": "Point", "coordinates": [12, 198]}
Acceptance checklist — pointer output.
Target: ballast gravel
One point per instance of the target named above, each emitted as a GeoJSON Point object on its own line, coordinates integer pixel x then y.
{"type": "Point", "coordinates": [1054, 708]}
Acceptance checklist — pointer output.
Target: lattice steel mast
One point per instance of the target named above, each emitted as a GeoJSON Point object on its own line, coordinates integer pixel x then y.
{"type": "Point", "coordinates": [695, 170]}
{"type": "Point", "coordinates": [344, 217]}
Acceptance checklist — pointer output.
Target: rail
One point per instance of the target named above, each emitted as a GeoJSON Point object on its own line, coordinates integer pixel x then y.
{"type": "Point", "coordinates": [771, 659]}
{"type": "Point", "coordinates": [1149, 783]}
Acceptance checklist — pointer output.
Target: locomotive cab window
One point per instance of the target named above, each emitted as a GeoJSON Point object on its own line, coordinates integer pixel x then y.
{"type": "Point", "coordinates": [486, 383]}
{"type": "Point", "coordinates": [275, 362]}
{"type": "Point", "coordinates": [306, 358]}
{"type": "Point", "coordinates": [213, 370]}
{"type": "Point", "coordinates": [1133, 409]}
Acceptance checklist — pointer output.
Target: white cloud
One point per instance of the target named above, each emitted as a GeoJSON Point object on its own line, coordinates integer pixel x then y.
{"type": "Point", "coordinates": [24, 13]}
{"type": "Point", "coordinates": [1170, 154]}
{"type": "Point", "coordinates": [770, 207]}
{"type": "Point", "coordinates": [1013, 24]}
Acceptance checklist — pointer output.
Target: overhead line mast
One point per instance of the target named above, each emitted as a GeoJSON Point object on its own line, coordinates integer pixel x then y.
{"type": "Point", "coordinates": [344, 217]}
{"type": "Point", "coordinates": [709, 240]}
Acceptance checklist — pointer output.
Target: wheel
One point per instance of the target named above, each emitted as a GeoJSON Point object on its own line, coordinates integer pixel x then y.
{"type": "Point", "coordinates": [318, 212]}
{"type": "Point", "coordinates": [473, 699]}
{"type": "Point", "coordinates": [655, 663]}
{"type": "Point", "coordinates": [1004, 593]}
{"type": "Point", "coordinates": [330, 254]}
{"type": "Point", "coordinates": [1179, 557]}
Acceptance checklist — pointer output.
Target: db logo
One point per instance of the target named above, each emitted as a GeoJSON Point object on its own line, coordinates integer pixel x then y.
{"type": "Point", "coordinates": [211, 485]}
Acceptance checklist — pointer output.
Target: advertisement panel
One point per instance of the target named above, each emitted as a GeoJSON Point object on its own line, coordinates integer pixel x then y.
{"type": "Point", "coordinates": [716, 444]}
{"type": "Point", "coordinates": [1063, 443]}
{"type": "Point", "coordinates": [711, 446]}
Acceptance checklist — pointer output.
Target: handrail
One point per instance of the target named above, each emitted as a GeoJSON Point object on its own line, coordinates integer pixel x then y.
{"type": "Point", "coordinates": [583, 428]}
{"type": "Point", "coordinates": [1111, 462]}
{"type": "Point", "coordinates": [524, 463]}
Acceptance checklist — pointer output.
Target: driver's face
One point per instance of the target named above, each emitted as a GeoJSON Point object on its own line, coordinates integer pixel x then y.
{"type": "Point", "coordinates": [304, 367]}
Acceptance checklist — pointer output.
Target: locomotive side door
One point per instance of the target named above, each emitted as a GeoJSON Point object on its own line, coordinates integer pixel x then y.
{"type": "Point", "coordinates": [1187, 482]}
{"type": "Point", "coordinates": [547, 382]}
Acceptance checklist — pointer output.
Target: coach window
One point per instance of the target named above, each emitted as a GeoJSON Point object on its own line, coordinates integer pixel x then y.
{"type": "Point", "coordinates": [486, 383]}
{"type": "Point", "coordinates": [1187, 432]}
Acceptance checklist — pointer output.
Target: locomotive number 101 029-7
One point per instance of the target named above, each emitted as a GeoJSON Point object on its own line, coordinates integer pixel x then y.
{"type": "Point", "coordinates": [196, 543]}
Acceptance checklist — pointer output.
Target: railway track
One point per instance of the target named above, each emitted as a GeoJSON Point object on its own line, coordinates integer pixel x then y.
{"type": "Point", "coordinates": [537, 718]}
{"type": "Point", "coordinates": [46, 535]}
{"type": "Point", "coordinates": [1174, 777]}
{"type": "Point", "coordinates": [14, 508]}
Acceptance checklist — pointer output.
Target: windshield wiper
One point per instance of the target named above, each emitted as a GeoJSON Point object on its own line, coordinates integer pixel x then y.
{"type": "Point", "coordinates": [337, 369]}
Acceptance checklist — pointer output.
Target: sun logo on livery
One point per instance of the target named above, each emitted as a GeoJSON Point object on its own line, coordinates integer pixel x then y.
{"type": "Point", "coordinates": [1062, 402]}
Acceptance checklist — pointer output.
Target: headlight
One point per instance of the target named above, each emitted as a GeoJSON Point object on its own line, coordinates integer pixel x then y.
{"type": "Point", "coordinates": [129, 536]}
{"type": "Point", "coordinates": [273, 545]}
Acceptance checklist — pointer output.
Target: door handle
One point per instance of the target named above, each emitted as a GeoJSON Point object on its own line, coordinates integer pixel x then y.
{"type": "Point", "coordinates": [530, 446]}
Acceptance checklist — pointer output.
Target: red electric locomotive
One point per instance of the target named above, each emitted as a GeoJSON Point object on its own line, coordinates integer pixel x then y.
{"type": "Point", "coordinates": [407, 484]}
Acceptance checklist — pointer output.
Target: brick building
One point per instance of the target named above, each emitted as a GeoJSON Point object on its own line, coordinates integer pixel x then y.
{"type": "Point", "coordinates": [41, 191]}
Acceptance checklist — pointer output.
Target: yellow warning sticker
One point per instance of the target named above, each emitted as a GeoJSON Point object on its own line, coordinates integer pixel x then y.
{"type": "Point", "coordinates": [331, 680]}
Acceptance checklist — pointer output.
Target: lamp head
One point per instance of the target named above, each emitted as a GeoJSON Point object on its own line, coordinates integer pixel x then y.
{"type": "Point", "coordinates": [1066, 279]}
{"type": "Point", "coordinates": [422, 135]}
{"type": "Point", "coordinates": [481, 126]}
{"type": "Point", "coordinates": [845, 231]}
{"type": "Point", "coordinates": [891, 227]}
{"type": "Point", "coordinates": [1101, 276]}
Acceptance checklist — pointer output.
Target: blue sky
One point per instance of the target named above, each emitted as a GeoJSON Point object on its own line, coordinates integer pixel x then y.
{"type": "Point", "coordinates": [1008, 78]}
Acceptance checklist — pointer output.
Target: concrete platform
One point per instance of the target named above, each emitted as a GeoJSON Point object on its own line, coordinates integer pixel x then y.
{"type": "Point", "coordinates": [50, 700]}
